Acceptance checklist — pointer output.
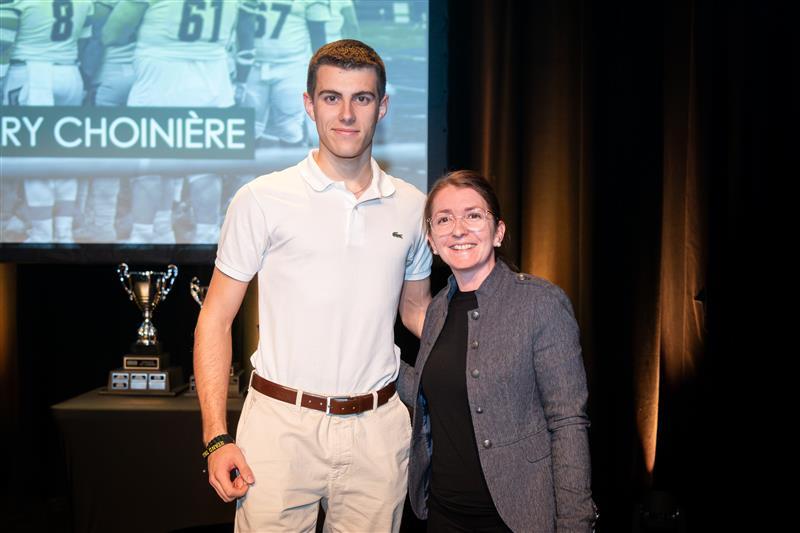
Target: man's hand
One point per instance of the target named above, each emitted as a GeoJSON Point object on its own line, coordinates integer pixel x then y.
{"type": "Point", "coordinates": [212, 363]}
{"type": "Point", "coordinates": [220, 465]}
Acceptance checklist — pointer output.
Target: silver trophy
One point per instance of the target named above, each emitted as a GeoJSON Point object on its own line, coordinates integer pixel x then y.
{"type": "Point", "coordinates": [198, 291]}
{"type": "Point", "coordinates": [146, 289]}
{"type": "Point", "coordinates": [146, 370]}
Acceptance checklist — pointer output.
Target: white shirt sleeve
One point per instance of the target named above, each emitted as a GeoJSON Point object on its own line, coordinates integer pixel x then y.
{"type": "Point", "coordinates": [244, 238]}
{"type": "Point", "coordinates": [419, 258]}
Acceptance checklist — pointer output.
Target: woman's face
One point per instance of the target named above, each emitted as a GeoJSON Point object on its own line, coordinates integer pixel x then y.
{"type": "Point", "coordinates": [468, 249]}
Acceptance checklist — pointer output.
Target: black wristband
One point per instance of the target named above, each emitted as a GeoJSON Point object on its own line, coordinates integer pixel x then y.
{"type": "Point", "coordinates": [216, 443]}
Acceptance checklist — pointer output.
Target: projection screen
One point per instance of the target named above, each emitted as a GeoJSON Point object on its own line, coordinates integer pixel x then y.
{"type": "Point", "coordinates": [133, 122]}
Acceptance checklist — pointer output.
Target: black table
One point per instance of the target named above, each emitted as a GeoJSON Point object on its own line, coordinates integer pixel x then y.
{"type": "Point", "coordinates": [134, 463]}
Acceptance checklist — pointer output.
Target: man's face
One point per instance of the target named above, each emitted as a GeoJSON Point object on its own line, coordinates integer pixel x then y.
{"type": "Point", "coordinates": [346, 109]}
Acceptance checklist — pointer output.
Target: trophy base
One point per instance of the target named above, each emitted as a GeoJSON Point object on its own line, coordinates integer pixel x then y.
{"type": "Point", "coordinates": [145, 381]}
{"type": "Point", "coordinates": [171, 393]}
{"type": "Point", "coordinates": [134, 361]}
{"type": "Point", "coordinates": [236, 384]}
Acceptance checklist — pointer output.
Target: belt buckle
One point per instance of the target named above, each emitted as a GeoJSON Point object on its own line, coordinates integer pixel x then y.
{"type": "Point", "coordinates": [328, 402]}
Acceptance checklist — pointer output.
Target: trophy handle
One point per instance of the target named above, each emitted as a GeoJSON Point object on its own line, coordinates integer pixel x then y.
{"type": "Point", "coordinates": [169, 279]}
{"type": "Point", "coordinates": [122, 272]}
{"type": "Point", "coordinates": [194, 289]}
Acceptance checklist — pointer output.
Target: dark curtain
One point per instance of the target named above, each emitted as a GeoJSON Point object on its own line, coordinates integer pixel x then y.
{"type": "Point", "coordinates": [634, 147]}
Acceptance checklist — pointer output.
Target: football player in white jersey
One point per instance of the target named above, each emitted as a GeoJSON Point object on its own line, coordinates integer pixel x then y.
{"type": "Point", "coordinates": [41, 47]}
{"type": "Point", "coordinates": [180, 56]}
{"type": "Point", "coordinates": [284, 33]}
{"type": "Point", "coordinates": [44, 54]}
{"type": "Point", "coordinates": [180, 61]}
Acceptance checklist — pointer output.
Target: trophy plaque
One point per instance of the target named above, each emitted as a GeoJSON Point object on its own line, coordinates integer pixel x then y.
{"type": "Point", "coordinates": [235, 382]}
{"type": "Point", "coordinates": [146, 382]}
{"type": "Point", "coordinates": [146, 370]}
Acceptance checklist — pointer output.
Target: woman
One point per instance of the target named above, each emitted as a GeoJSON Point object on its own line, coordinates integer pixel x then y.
{"type": "Point", "coordinates": [499, 391]}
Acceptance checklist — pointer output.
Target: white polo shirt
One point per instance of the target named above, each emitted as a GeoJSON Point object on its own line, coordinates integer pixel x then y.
{"type": "Point", "coordinates": [330, 270]}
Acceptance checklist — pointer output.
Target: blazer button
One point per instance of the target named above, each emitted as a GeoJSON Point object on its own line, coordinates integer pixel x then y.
{"type": "Point", "coordinates": [475, 373]}
{"type": "Point", "coordinates": [487, 443]}
{"type": "Point", "coordinates": [474, 344]}
{"type": "Point", "coordinates": [475, 314]}
{"type": "Point", "coordinates": [479, 409]}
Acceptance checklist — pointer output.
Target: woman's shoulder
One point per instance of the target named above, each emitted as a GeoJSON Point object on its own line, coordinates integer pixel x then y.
{"type": "Point", "coordinates": [534, 289]}
{"type": "Point", "coordinates": [530, 282]}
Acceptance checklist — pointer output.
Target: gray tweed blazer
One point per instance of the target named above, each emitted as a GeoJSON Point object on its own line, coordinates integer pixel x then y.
{"type": "Point", "coordinates": [527, 394]}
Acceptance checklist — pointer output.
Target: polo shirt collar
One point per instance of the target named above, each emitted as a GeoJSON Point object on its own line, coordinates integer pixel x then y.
{"type": "Point", "coordinates": [385, 185]}
{"type": "Point", "coordinates": [381, 185]}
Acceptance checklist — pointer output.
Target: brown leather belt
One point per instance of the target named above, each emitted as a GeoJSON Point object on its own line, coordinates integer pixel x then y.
{"type": "Point", "coordinates": [334, 405]}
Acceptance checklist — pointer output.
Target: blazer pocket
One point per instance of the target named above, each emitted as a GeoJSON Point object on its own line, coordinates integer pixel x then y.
{"type": "Point", "coordinates": [537, 446]}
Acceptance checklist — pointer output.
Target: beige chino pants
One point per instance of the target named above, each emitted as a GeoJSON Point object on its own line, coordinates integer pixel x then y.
{"type": "Point", "coordinates": [356, 466]}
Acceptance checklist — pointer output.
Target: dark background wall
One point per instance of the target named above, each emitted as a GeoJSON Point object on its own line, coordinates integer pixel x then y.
{"type": "Point", "coordinates": [588, 117]}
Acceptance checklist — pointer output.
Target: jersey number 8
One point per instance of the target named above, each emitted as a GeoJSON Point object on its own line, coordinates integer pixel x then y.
{"type": "Point", "coordinates": [62, 15]}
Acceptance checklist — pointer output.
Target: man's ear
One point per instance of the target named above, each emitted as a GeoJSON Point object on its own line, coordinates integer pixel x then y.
{"type": "Point", "coordinates": [308, 102]}
{"type": "Point", "coordinates": [383, 106]}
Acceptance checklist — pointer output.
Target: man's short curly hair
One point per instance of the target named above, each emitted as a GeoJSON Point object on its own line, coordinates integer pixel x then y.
{"type": "Point", "coordinates": [346, 54]}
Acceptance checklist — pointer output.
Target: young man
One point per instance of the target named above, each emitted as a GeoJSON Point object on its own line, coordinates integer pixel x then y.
{"type": "Point", "coordinates": [337, 245]}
